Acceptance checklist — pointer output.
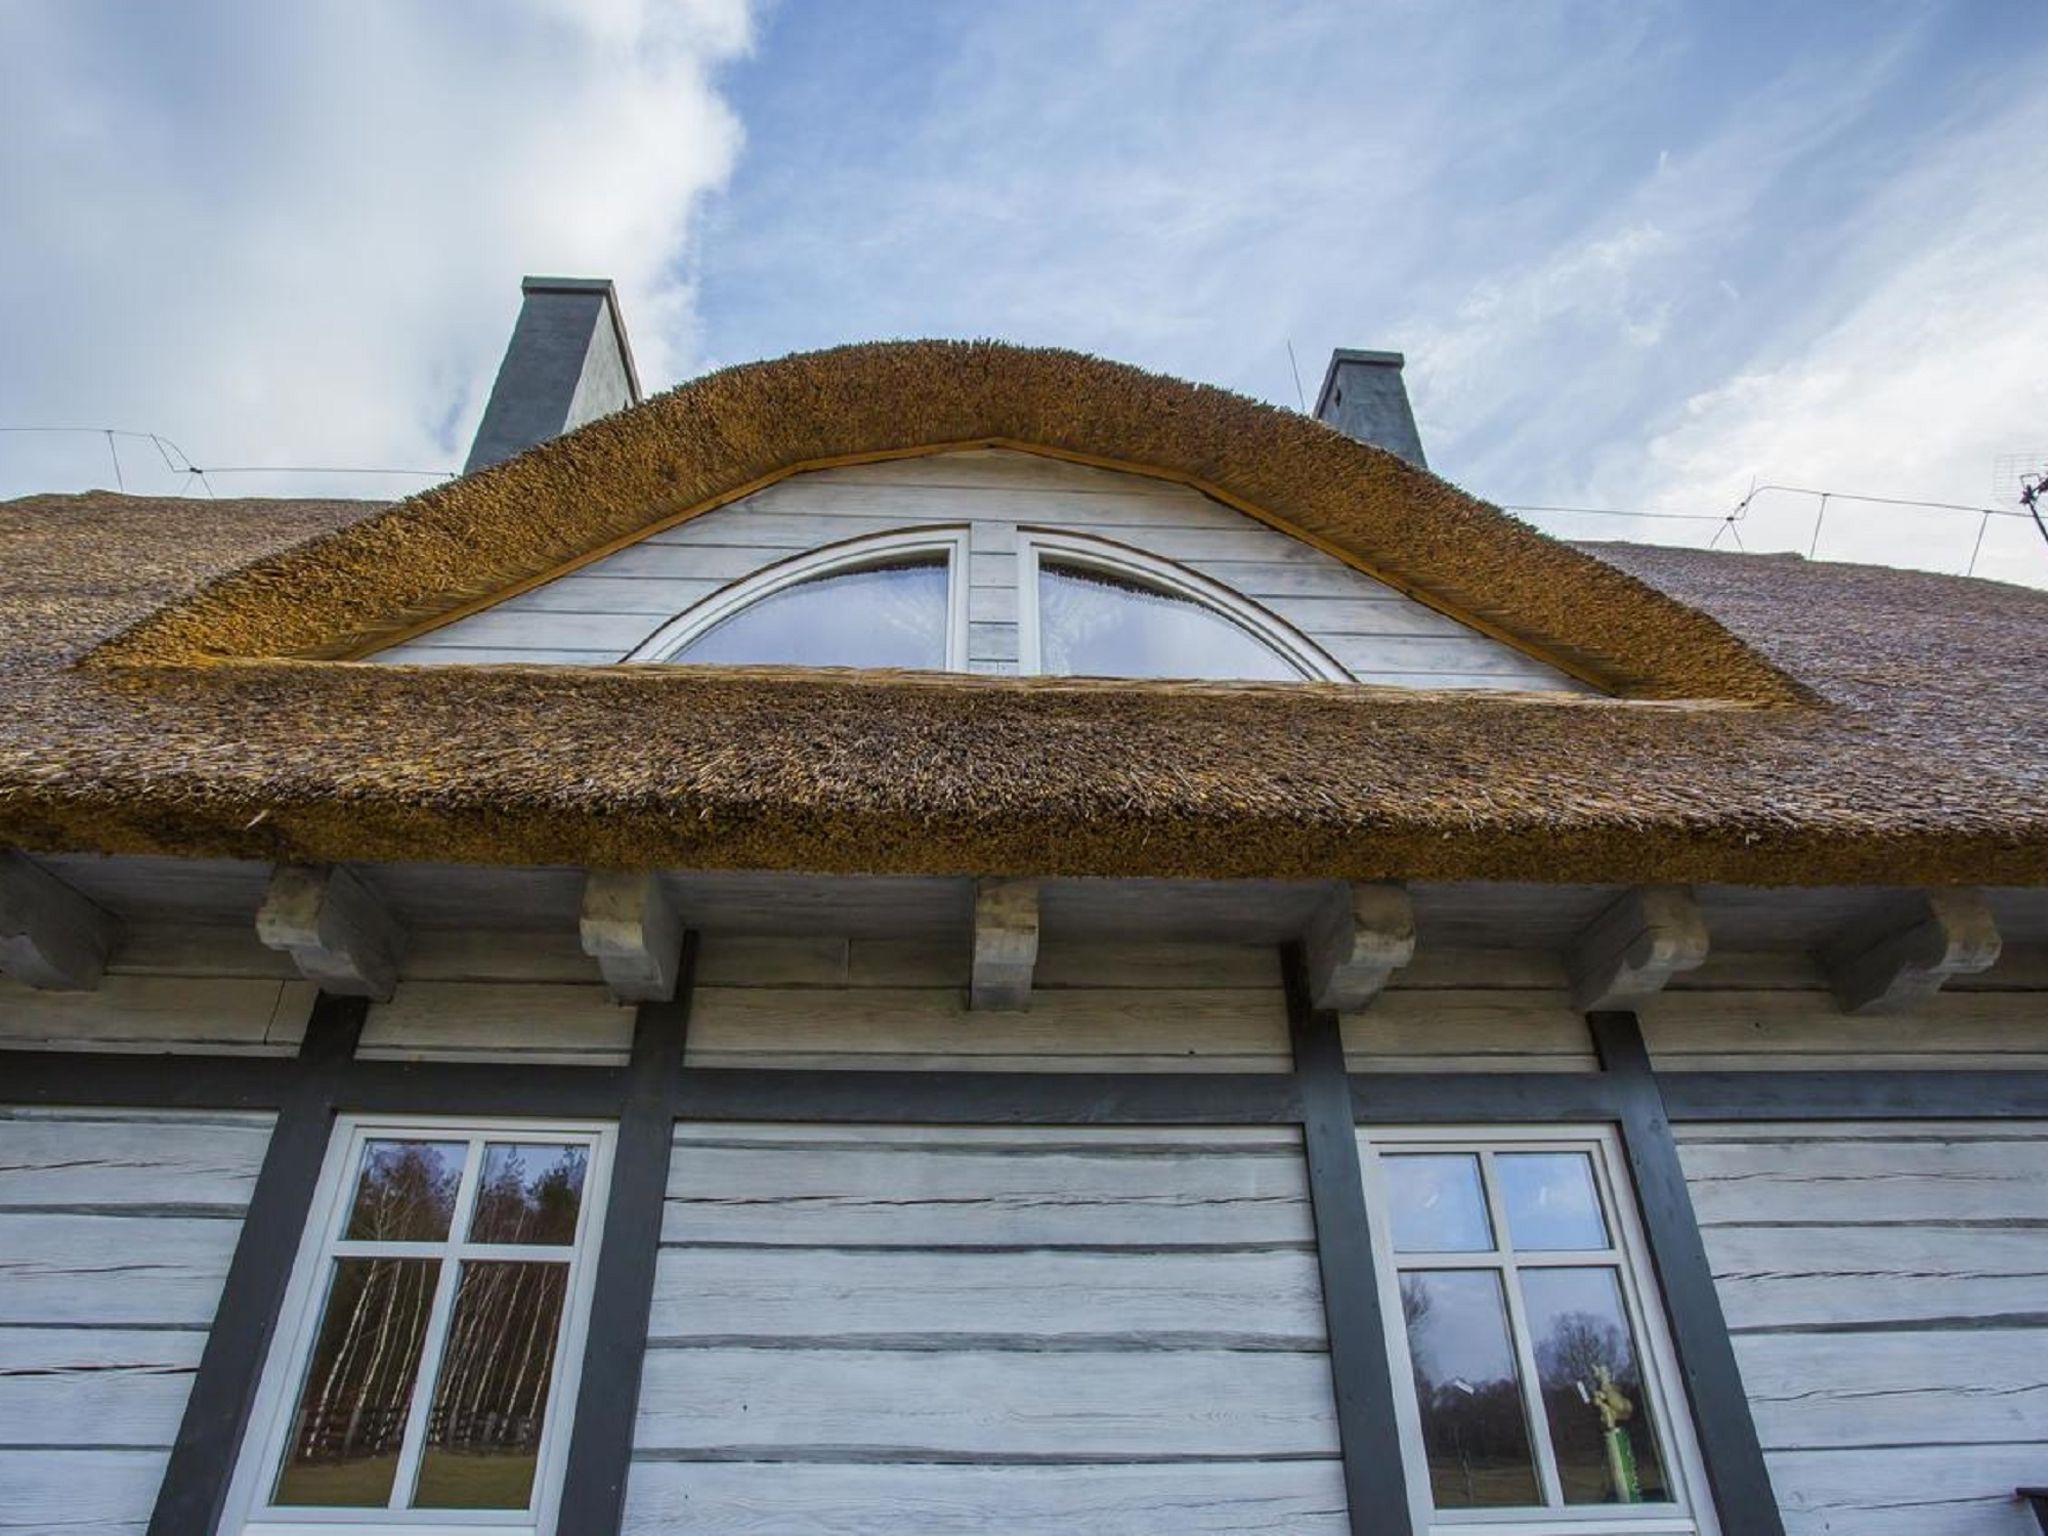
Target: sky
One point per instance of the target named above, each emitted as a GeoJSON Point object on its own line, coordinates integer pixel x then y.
{"type": "Point", "coordinates": [1641, 256]}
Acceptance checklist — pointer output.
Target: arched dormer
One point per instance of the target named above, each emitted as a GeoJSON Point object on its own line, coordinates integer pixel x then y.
{"type": "Point", "coordinates": [486, 546]}
{"type": "Point", "coordinates": [989, 560]}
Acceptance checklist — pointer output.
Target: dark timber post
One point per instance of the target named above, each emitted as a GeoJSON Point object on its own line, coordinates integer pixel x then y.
{"type": "Point", "coordinates": [1375, 1476]}
{"type": "Point", "coordinates": [601, 1444]}
{"type": "Point", "coordinates": [1706, 1359]}
{"type": "Point", "coordinates": [202, 1461]}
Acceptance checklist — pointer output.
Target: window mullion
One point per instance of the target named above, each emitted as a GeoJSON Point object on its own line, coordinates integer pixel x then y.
{"type": "Point", "coordinates": [427, 1380]}
{"type": "Point", "coordinates": [1518, 1333]}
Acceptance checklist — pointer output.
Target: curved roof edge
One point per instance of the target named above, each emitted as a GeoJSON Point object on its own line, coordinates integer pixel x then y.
{"type": "Point", "coordinates": [705, 443]}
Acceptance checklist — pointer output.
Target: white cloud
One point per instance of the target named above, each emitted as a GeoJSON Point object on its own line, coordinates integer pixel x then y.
{"type": "Point", "coordinates": [1931, 375]}
{"type": "Point", "coordinates": [293, 234]}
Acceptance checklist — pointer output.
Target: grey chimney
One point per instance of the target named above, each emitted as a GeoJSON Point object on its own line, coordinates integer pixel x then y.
{"type": "Point", "coordinates": [1363, 397]}
{"type": "Point", "coordinates": [567, 363]}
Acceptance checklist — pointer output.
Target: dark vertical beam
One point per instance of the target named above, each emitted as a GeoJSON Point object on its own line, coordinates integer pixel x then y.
{"type": "Point", "coordinates": [1368, 1427]}
{"type": "Point", "coordinates": [1721, 1418]}
{"type": "Point", "coordinates": [202, 1461]}
{"type": "Point", "coordinates": [601, 1444]}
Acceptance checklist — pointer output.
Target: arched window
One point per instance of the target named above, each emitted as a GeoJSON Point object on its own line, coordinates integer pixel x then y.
{"type": "Point", "coordinates": [893, 600]}
{"type": "Point", "coordinates": [1094, 609]}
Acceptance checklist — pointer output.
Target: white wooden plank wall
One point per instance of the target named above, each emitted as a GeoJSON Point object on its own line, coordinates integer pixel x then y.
{"type": "Point", "coordinates": [1136, 1005]}
{"type": "Point", "coordinates": [1510, 1010]}
{"type": "Point", "coordinates": [902, 1005]}
{"type": "Point", "coordinates": [116, 1229]}
{"type": "Point", "coordinates": [600, 613]}
{"type": "Point", "coordinates": [1887, 1289]}
{"type": "Point", "coordinates": [464, 996]}
{"type": "Point", "coordinates": [1773, 1012]}
{"type": "Point", "coordinates": [878, 1329]}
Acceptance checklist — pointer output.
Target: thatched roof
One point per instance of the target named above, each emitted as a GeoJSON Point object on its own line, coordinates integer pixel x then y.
{"type": "Point", "coordinates": [1833, 724]}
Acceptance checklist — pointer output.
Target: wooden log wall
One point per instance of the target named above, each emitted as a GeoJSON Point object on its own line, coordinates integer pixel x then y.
{"type": "Point", "coordinates": [1887, 1290]}
{"type": "Point", "coordinates": [1089, 1328]}
{"type": "Point", "coordinates": [116, 1229]}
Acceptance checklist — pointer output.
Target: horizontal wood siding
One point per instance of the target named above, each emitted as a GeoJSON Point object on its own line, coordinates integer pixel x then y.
{"type": "Point", "coordinates": [1457, 1009]}
{"type": "Point", "coordinates": [879, 1329]}
{"type": "Point", "coordinates": [902, 1004]}
{"type": "Point", "coordinates": [116, 1230]}
{"type": "Point", "coordinates": [602, 612]}
{"type": "Point", "coordinates": [254, 1015]}
{"type": "Point", "coordinates": [1887, 1289]}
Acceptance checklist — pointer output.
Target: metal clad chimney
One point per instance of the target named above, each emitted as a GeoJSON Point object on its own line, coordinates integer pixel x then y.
{"type": "Point", "coordinates": [1363, 397]}
{"type": "Point", "coordinates": [568, 363]}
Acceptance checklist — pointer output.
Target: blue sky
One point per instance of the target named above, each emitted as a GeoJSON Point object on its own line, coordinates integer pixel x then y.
{"type": "Point", "coordinates": [1638, 254]}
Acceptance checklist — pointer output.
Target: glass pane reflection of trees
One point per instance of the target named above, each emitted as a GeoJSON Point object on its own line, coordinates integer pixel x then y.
{"type": "Point", "coordinates": [1091, 624]}
{"type": "Point", "coordinates": [1473, 1426]}
{"type": "Point", "coordinates": [529, 1193]}
{"type": "Point", "coordinates": [405, 1191]}
{"type": "Point", "coordinates": [1592, 1388]}
{"type": "Point", "coordinates": [893, 615]}
{"type": "Point", "coordinates": [358, 1389]}
{"type": "Point", "coordinates": [483, 1436]}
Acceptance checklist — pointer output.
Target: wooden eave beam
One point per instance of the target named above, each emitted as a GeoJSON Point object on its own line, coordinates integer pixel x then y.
{"type": "Point", "coordinates": [50, 936]}
{"type": "Point", "coordinates": [337, 930]}
{"type": "Point", "coordinates": [1005, 944]}
{"type": "Point", "coordinates": [631, 927]}
{"type": "Point", "coordinates": [1630, 952]}
{"type": "Point", "coordinates": [1359, 936]}
{"type": "Point", "coordinates": [1904, 958]}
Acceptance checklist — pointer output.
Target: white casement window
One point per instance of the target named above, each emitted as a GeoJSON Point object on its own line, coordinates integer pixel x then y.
{"type": "Point", "coordinates": [425, 1367]}
{"type": "Point", "coordinates": [1536, 1382]}
{"type": "Point", "coordinates": [891, 600]}
{"type": "Point", "coordinates": [1092, 608]}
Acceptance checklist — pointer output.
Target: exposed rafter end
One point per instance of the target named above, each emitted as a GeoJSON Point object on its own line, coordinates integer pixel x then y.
{"type": "Point", "coordinates": [1632, 949]}
{"type": "Point", "coordinates": [1358, 938]}
{"type": "Point", "coordinates": [336, 929]}
{"type": "Point", "coordinates": [631, 928]}
{"type": "Point", "coordinates": [1903, 959]}
{"type": "Point", "coordinates": [1005, 944]}
{"type": "Point", "coordinates": [50, 936]}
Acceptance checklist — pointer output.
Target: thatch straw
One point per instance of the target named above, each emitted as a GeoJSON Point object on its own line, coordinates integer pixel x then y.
{"type": "Point", "coordinates": [1851, 724]}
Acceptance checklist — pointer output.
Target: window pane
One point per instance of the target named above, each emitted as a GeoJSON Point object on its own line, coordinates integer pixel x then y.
{"type": "Point", "coordinates": [1438, 1206]}
{"type": "Point", "coordinates": [1095, 625]}
{"type": "Point", "coordinates": [1551, 1200]}
{"type": "Point", "coordinates": [483, 1439]}
{"type": "Point", "coordinates": [1586, 1361]}
{"type": "Point", "coordinates": [1473, 1427]}
{"type": "Point", "coordinates": [892, 615]}
{"type": "Point", "coordinates": [406, 1191]}
{"type": "Point", "coordinates": [529, 1193]}
{"type": "Point", "coordinates": [352, 1408]}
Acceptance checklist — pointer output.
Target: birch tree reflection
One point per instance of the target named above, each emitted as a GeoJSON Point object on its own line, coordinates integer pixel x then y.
{"type": "Point", "coordinates": [496, 1364]}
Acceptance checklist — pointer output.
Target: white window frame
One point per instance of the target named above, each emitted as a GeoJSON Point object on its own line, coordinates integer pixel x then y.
{"type": "Point", "coordinates": [249, 1510]}
{"type": "Point", "coordinates": [1114, 559]}
{"type": "Point", "coordinates": [1691, 1512]}
{"type": "Point", "coordinates": [831, 560]}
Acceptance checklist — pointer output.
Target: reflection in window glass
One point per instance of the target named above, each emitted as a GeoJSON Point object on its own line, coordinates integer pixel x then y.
{"type": "Point", "coordinates": [1586, 1363]}
{"type": "Point", "coordinates": [483, 1437]}
{"type": "Point", "coordinates": [1091, 624]}
{"type": "Point", "coordinates": [1438, 1205]}
{"type": "Point", "coordinates": [1552, 1202]}
{"type": "Point", "coordinates": [358, 1388]}
{"type": "Point", "coordinates": [893, 615]}
{"type": "Point", "coordinates": [529, 1193]}
{"type": "Point", "coordinates": [1468, 1389]}
{"type": "Point", "coordinates": [405, 1192]}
